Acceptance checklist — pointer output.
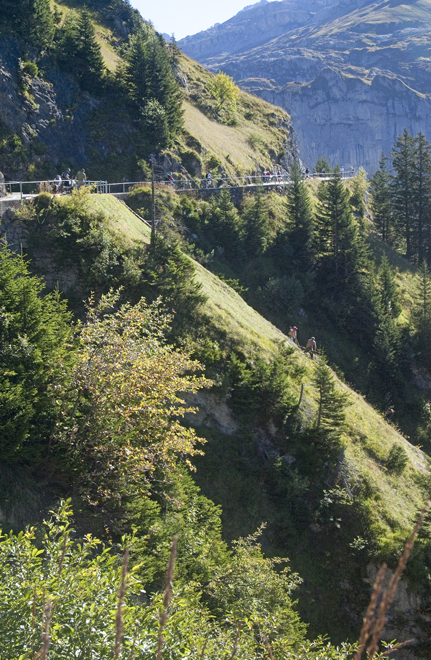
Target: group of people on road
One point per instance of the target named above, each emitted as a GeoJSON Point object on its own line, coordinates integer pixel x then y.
{"type": "Point", "coordinates": [310, 347]}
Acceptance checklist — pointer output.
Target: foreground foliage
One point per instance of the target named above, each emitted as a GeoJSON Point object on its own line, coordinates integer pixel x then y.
{"type": "Point", "coordinates": [64, 594]}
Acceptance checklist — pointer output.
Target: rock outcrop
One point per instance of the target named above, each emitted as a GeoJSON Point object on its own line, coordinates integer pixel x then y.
{"type": "Point", "coordinates": [352, 75]}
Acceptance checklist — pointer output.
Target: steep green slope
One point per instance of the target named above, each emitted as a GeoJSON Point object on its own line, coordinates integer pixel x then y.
{"type": "Point", "coordinates": [243, 481]}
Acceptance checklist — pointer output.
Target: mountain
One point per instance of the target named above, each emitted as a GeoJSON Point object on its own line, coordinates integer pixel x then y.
{"type": "Point", "coordinates": [352, 75]}
{"type": "Point", "coordinates": [59, 108]}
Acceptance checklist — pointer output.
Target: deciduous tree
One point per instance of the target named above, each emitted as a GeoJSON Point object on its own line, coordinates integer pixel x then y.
{"type": "Point", "coordinates": [121, 403]}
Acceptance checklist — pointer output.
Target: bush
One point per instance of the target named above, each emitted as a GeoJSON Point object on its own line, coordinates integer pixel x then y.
{"type": "Point", "coordinates": [30, 69]}
{"type": "Point", "coordinates": [397, 459]}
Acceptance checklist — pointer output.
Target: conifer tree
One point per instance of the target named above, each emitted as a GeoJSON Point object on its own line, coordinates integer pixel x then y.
{"type": "Point", "coordinates": [421, 314]}
{"type": "Point", "coordinates": [33, 331]}
{"type": "Point", "coordinates": [331, 403]}
{"type": "Point", "coordinates": [381, 201]}
{"type": "Point", "coordinates": [154, 93]}
{"type": "Point", "coordinates": [359, 190]}
{"type": "Point", "coordinates": [88, 65]}
{"type": "Point", "coordinates": [256, 227]}
{"type": "Point", "coordinates": [32, 20]}
{"type": "Point", "coordinates": [136, 70]}
{"type": "Point", "coordinates": [224, 225]}
{"type": "Point", "coordinates": [388, 290]}
{"type": "Point", "coordinates": [404, 189]}
{"type": "Point", "coordinates": [163, 85]}
{"type": "Point", "coordinates": [300, 219]}
{"type": "Point", "coordinates": [422, 175]}
{"type": "Point", "coordinates": [342, 248]}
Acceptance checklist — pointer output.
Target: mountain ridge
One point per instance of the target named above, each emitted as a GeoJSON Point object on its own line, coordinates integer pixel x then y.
{"type": "Point", "coordinates": [282, 62]}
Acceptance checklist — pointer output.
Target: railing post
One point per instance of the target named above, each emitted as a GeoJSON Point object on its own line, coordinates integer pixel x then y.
{"type": "Point", "coordinates": [20, 188]}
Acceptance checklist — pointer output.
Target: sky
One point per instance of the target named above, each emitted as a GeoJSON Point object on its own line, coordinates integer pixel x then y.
{"type": "Point", "coordinates": [183, 17]}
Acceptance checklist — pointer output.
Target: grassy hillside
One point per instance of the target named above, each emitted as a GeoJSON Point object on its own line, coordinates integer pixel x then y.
{"type": "Point", "coordinates": [233, 475]}
{"type": "Point", "coordinates": [259, 134]}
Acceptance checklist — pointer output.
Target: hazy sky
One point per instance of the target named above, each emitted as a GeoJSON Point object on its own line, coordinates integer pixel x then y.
{"type": "Point", "coordinates": [183, 17]}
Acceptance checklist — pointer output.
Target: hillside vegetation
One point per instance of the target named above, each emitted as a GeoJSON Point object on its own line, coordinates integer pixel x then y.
{"type": "Point", "coordinates": [355, 486]}
{"type": "Point", "coordinates": [145, 97]}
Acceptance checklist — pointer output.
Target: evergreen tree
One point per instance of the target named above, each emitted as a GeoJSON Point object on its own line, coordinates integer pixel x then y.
{"type": "Point", "coordinates": [32, 335]}
{"type": "Point", "coordinates": [79, 52]}
{"type": "Point", "coordinates": [32, 20]}
{"type": "Point", "coordinates": [381, 201]}
{"type": "Point", "coordinates": [300, 220]}
{"type": "Point", "coordinates": [88, 65]}
{"type": "Point", "coordinates": [403, 188]}
{"type": "Point", "coordinates": [330, 417]}
{"type": "Point", "coordinates": [155, 96]}
{"type": "Point", "coordinates": [359, 190]}
{"type": "Point", "coordinates": [163, 85]}
{"type": "Point", "coordinates": [255, 221]}
{"type": "Point", "coordinates": [41, 25]}
{"type": "Point", "coordinates": [387, 287]}
{"type": "Point", "coordinates": [224, 225]}
{"type": "Point", "coordinates": [422, 174]}
{"type": "Point", "coordinates": [342, 248]}
{"type": "Point", "coordinates": [322, 165]}
{"type": "Point", "coordinates": [421, 314]}
{"type": "Point", "coordinates": [136, 71]}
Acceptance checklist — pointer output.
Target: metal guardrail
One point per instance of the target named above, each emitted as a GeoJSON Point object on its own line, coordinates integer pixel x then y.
{"type": "Point", "coordinates": [20, 187]}
{"type": "Point", "coordinates": [27, 188]}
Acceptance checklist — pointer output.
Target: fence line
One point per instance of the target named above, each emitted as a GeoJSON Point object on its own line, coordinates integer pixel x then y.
{"type": "Point", "coordinates": [123, 187]}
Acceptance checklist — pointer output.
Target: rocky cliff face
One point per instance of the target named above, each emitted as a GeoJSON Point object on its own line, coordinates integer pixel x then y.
{"type": "Point", "coordinates": [352, 75]}
{"type": "Point", "coordinates": [48, 123]}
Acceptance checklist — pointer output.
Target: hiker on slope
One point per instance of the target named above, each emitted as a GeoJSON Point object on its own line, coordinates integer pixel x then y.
{"type": "Point", "coordinates": [311, 347]}
{"type": "Point", "coordinates": [293, 334]}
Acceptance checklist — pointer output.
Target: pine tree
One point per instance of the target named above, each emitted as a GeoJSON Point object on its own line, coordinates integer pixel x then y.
{"type": "Point", "coordinates": [88, 65]}
{"type": "Point", "coordinates": [41, 28]}
{"type": "Point", "coordinates": [300, 220]}
{"type": "Point", "coordinates": [342, 248]}
{"type": "Point", "coordinates": [381, 205]}
{"type": "Point", "coordinates": [387, 287]}
{"type": "Point", "coordinates": [224, 225]}
{"type": "Point", "coordinates": [163, 85]}
{"type": "Point", "coordinates": [422, 175]}
{"type": "Point", "coordinates": [331, 402]}
{"type": "Point", "coordinates": [404, 189]}
{"type": "Point", "coordinates": [255, 227]}
{"type": "Point", "coordinates": [421, 314]}
{"type": "Point", "coordinates": [33, 331]}
{"type": "Point", "coordinates": [322, 165]}
{"type": "Point", "coordinates": [136, 71]}
{"type": "Point", "coordinates": [359, 190]}
{"type": "Point", "coordinates": [32, 20]}
{"type": "Point", "coordinates": [155, 96]}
